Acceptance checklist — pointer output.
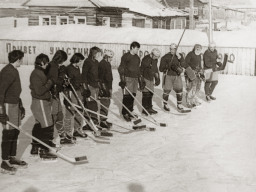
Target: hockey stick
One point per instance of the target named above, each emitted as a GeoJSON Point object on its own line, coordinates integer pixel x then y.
{"type": "Point", "coordinates": [157, 123]}
{"type": "Point", "coordinates": [173, 56]}
{"type": "Point", "coordinates": [137, 121]}
{"type": "Point", "coordinates": [93, 127]}
{"type": "Point", "coordinates": [75, 160]}
{"type": "Point", "coordinates": [133, 127]}
{"type": "Point", "coordinates": [90, 119]}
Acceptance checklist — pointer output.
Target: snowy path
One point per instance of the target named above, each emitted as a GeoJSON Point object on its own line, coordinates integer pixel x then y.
{"type": "Point", "coordinates": [212, 149]}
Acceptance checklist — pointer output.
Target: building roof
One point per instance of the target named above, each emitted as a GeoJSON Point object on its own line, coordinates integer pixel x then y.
{"type": "Point", "coordinates": [6, 5]}
{"type": "Point", "coordinates": [146, 7]}
{"type": "Point", "coordinates": [60, 3]}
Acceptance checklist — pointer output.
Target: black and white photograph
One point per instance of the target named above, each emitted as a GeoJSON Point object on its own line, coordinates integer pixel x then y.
{"type": "Point", "coordinates": [128, 95]}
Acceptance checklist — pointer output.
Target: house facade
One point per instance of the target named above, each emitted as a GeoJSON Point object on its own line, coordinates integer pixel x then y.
{"type": "Point", "coordinates": [112, 13]}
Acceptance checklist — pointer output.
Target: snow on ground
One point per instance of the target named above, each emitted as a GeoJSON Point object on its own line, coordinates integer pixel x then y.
{"type": "Point", "coordinates": [102, 34]}
{"type": "Point", "coordinates": [212, 149]}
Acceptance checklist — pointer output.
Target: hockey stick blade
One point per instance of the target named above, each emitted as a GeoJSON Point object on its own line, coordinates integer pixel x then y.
{"type": "Point", "coordinates": [151, 129]}
{"type": "Point", "coordinates": [106, 134]}
{"type": "Point", "coordinates": [136, 127]}
{"type": "Point", "coordinates": [163, 125]}
{"type": "Point", "coordinates": [54, 151]}
{"type": "Point", "coordinates": [137, 121]}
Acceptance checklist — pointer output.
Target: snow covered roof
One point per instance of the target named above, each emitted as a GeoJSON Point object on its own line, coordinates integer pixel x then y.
{"type": "Point", "coordinates": [60, 3]}
{"type": "Point", "coordinates": [146, 7]}
{"type": "Point", "coordinates": [102, 34]}
{"type": "Point", "coordinates": [7, 5]}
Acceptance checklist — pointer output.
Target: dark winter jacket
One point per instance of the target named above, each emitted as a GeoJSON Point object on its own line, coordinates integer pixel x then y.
{"type": "Point", "coordinates": [105, 73]}
{"type": "Point", "coordinates": [130, 65]}
{"type": "Point", "coordinates": [90, 72]}
{"type": "Point", "coordinates": [10, 86]}
{"type": "Point", "coordinates": [210, 59]}
{"type": "Point", "coordinates": [75, 76]}
{"type": "Point", "coordinates": [39, 84]}
{"type": "Point", "coordinates": [56, 73]}
{"type": "Point", "coordinates": [148, 67]}
{"type": "Point", "coordinates": [194, 61]}
{"type": "Point", "coordinates": [165, 63]}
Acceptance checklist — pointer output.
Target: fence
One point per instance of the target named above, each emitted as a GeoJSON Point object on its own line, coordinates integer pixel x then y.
{"type": "Point", "coordinates": [243, 64]}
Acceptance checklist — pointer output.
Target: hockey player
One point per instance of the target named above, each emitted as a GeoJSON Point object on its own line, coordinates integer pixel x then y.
{"type": "Point", "coordinates": [129, 71]}
{"type": "Point", "coordinates": [149, 72]}
{"type": "Point", "coordinates": [40, 87]}
{"type": "Point", "coordinates": [193, 59]}
{"type": "Point", "coordinates": [91, 80]}
{"type": "Point", "coordinates": [105, 85]}
{"type": "Point", "coordinates": [172, 65]}
{"type": "Point", "coordinates": [210, 62]}
{"type": "Point", "coordinates": [56, 72]}
{"type": "Point", "coordinates": [75, 78]}
{"type": "Point", "coordinates": [11, 109]}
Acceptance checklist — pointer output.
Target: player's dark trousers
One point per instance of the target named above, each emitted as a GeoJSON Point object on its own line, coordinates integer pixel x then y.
{"type": "Point", "coordinates": [209, 87]}
{"type": "Point", "coordinates": [128, 101]}
{"type": "Point", "coordinates": [9, 143]}
{"type": "Point", "coordinates": [147, 100]}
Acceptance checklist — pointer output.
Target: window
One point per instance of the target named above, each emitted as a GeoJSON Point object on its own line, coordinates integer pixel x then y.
{"type": "Point", "coordinates": [138, 23]}
{"type": "Point", "coordinates": [62, 20]}
{"type": "Point", "coordinates": [106, 21]}
{"type": "Point", "coordinates": [44, 20]}
{"type": "Point", "coordinates": [80, 20]}
{"type": "Point", "coordinates": [187, 9]}
{"type": "Point", "coordinates": [195, 10]}
{"type": "Point", "coordinates": [172, 24]}
{"type": "Point", "coordinates": [15, 23]}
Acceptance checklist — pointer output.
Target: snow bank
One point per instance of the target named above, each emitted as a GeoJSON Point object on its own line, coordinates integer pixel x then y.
{"type": "Point", "coordinates": [242, 38]}
{"type": "Point", "coordinates": [101, 34]}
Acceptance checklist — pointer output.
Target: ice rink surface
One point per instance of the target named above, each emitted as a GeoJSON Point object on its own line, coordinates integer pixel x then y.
{"type": "Point", "coordinates": [212, 149]}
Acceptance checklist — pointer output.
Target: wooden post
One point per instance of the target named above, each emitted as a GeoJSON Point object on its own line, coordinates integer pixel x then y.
{"type": "Point", "coordinates": [191, 14]}
{"type": "Point", "coordinates": [210, 21]}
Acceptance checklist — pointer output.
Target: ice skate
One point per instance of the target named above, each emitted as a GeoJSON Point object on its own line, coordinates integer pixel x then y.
{"type": "Point", "coordinates": [7, 168]}
{"type": "Point", "coordinates": [19, 163]}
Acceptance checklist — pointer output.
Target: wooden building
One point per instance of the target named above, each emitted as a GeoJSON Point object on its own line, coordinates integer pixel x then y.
{"type": "Point", "coordinates": [13, 15]}
{"type": "Point", "coordinates": [61, 12]}
{"type": "Point", "coordinates": [112, 13]}
{"type": "Point", "coordinates": [142, 13]}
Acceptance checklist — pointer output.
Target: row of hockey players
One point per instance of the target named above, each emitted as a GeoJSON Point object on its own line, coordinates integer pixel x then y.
{"type": "Point", "coordinates": [92, 85]}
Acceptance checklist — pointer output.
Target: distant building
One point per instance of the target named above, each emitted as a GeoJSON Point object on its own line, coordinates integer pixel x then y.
{"type": "Point", "coordinates": [112, 13]}
{"type": "Point", "coordinates": [13, 15]}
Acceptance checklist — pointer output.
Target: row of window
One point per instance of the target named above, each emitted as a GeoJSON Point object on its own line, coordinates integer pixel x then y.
{"type": "Point", "coordinates": [63, 20]}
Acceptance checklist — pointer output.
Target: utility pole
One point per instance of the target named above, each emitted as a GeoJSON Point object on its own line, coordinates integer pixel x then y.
{"type": "Point", "coordinates": [210, 21]}
{"type": "Point", "coordinates": [191, 14]}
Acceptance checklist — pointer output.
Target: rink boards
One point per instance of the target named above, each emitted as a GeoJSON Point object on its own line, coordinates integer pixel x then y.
{"type": "Point", "coordinates": [243, 58]}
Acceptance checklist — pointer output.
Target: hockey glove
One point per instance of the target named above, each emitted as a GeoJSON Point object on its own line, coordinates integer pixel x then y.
{"type": "Point", "coordinates": [66, 82]}
{"type": "Point", "coordinates": [142, 83]}
{"type": "Point", "coordinates": [122, 83]}
{"type": "Point", "coordinates": [103, 90]}
{"type": "Point", "coordinates": [177, 69]}
{"type": "Point", "coordinates": [157, 79]}
{"type": "Point", "coordinates": [22, 109]}
{"type": "Point", "coordinates": [3, 116]}
{"type": "Point", "coordinates": [86, 93]}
